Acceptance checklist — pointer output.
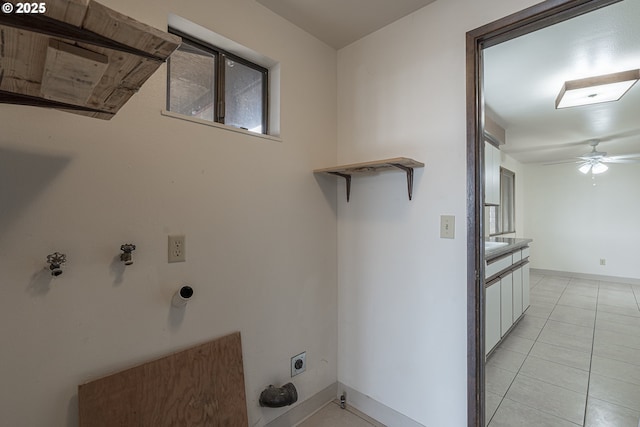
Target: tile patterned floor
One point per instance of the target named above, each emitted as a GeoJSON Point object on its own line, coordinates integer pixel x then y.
{"type": "Point", "coordinates": [332, 415]}
{"type": "Point", "coordinates": [573, 360]}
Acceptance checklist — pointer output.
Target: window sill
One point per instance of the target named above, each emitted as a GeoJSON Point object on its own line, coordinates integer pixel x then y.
{"type": "Point", "coordinates": [220, 126]}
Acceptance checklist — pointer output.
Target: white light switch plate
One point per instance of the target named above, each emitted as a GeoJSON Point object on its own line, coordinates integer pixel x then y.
{"type": "Point", "coordinates": [447, 226]}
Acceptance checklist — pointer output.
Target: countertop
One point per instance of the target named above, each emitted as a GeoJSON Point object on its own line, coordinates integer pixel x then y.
{"type": "Point", "coordinates": [512, 244]}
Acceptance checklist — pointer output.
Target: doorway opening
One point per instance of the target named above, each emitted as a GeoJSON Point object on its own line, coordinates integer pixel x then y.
{"type": "Point", "coordinates": [534, 18]}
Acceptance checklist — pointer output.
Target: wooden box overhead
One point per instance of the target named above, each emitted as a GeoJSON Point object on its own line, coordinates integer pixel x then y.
{"type": "Point", "coordinates": [78, 56]}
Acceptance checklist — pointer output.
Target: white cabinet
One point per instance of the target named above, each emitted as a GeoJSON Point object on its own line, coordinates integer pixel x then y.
{"type": "Point", "coordinates": [506, 303]}
{"type": "Point", "coordinates": [525, 285]}
{"type": "Point", "coordinates": [507, 297]}
{"type": "Point", "coordinates": [491, 174]}
{"type": "Point", "coordinates": [492, 316]}
{"type": "Point", "coordinates": [495, 266]}
{"type": "Point", "coordinates": [517, 293]}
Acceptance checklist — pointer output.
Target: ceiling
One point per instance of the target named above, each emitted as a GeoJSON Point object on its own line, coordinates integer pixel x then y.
{"type": "Point", "coordinates": [339, 23]}
{"type": "Point", "coordinates": [524, 76]}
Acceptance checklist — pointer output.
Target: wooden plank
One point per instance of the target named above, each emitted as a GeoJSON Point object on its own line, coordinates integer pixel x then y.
{"type": "Point", "coordinates": [69, 11]}
{"type": "Point", "coordinates": [121, 28]}
{"type": "Point", "coordinates": [374, 166]}
{"type": "Point", "coordinates": [71, 73]}
{"type": "Point", "coordinates": [102, 116]}
{"type": "Point", "coordinates": [198, 387]}
{"type": "Point", "coordinates": [22, 56]}
{"type": "Point", "coordinates": [123, 78]}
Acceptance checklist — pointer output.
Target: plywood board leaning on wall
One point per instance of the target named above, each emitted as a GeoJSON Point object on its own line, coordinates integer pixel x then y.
{"type": "Point", "coordinates": [198, 387]}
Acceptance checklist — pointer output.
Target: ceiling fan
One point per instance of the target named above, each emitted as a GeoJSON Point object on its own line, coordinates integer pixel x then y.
{"type": "Point", "coordinates": [595, 160]}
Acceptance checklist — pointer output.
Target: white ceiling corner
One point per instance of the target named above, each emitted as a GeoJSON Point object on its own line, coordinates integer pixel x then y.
{"type": "Point", "coordinates": [339, 23]}
{"type": "Point", "coordinates": [522, 76]}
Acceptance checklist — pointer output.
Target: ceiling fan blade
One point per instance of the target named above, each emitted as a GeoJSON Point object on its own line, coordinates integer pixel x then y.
{"type": "Point", "coordinates": [559, 162]}
{"type": "Point", "coordinates": [626, 156]}
{"type": "Point", "coordinates": [620, 160]}
{"type": "Point", "coordinates": [598, 158]}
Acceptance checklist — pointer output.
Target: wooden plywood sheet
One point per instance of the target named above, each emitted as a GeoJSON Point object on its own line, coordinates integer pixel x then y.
{"type": "Point", "coordinates": [198, 387]}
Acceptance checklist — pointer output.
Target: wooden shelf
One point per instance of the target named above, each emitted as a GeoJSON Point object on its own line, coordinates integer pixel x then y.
{"type": "Point", "coordinates": [398, 163]}
{"type": "Point", "coordinates": [78, 56]}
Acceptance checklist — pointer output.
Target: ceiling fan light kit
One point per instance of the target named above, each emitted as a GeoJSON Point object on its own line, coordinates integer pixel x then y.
{"type": "Point", "coordinates": [594, 90]}
{"type": "Point", "coordinates": [595, 168]}
{"type": "Point", "coordinates": [594, 161]}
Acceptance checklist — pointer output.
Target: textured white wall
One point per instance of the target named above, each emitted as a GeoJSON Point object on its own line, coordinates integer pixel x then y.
{"type": "Point", "coordinates": [574, 223]}
{"type": "Point", "coordinates": [261, 230]}
{"type": "Point", "coordinates": [402, 290]}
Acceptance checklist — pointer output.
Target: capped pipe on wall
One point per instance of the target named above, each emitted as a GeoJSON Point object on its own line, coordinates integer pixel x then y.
{"type": "Point", "coordinates": [182, 296]}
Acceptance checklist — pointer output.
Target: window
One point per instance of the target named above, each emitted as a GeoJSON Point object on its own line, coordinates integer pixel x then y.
{"type": "Point", "coordinates": [209, 83]}
{"type": "Point", "coordinates": [502, 217]}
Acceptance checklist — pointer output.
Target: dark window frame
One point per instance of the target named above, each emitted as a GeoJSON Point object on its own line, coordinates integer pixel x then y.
{"type": "Point", "coordinates": [506, 208]}
{"type": "Point", "coordinates": [219, 90]}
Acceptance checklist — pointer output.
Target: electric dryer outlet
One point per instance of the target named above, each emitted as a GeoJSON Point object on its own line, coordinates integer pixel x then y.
{"type": "Point", "coordinates": [298, 364]}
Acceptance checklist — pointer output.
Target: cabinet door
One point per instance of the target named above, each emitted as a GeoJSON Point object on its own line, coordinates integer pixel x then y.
{"type": "Point", "coordinates": [492, 316]}
{"type": "Point", "coordinates": [525, 286]}
{"type": "Point", "coordinates": [517, 293]}
{"type": "Point", "coordinates": [506, 303]}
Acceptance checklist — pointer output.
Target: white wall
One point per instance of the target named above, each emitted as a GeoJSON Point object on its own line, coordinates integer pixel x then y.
{"type": "Point", "coordinates": [402, 290]}
{"type": "Point", "coordinates": [574, 223]}
{"type": "Point", "coordinates": [261, 230]}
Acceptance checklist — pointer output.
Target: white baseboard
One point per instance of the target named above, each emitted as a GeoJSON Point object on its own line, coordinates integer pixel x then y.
{"type": "Point", "coordinates": [356, 400]}
{"type": "Point", "coordinates": [306, 408]}
{"type": "Point", "coordinates": [613, 279]}
{"type": "Point", "coordinates": [375, 409]}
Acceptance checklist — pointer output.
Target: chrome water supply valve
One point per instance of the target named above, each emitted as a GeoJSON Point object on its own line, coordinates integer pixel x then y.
{"type": "Point", "coordinates": [125, 256]}
{"type": "Point", "coordinates": [55, 261]}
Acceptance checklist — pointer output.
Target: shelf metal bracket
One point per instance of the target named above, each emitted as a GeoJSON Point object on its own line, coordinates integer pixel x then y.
{"type": "Point", "coordinates": [348, 181]}
{"type": "Point", "coordinates": [409, 172]}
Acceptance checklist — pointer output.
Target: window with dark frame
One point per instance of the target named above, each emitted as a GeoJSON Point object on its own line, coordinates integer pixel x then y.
{"type": "Point", "coordinates": [502, 217]}
{"type": "Point", "coordinates": [209, 83]}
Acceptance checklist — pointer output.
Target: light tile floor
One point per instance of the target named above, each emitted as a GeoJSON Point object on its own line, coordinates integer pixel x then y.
{"type": "Point", "coordinates": [573, 360]}
{"type": "Point", "coordinates": [332, 415]}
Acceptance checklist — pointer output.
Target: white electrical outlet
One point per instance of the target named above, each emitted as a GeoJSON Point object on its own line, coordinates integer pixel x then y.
{"type": "Point", "coordinates": [177, 249]}
{"type": "Point", "coordinates": [298, 364]}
